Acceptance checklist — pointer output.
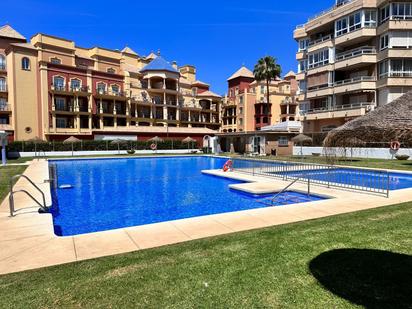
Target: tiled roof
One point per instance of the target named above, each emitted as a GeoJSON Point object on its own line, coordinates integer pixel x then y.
{"type": "Point", "coordinates": [242, 72]}
{"type": "Point", "coordinates": [9, 32]}
{"type": "Point", "coordinates": [159, 64]}
{"type": "Point", "coordinates": [25, 45]}
{"type": "Point", "coordinates": [208, 94]}
{"type": "Point", "coordinates": [128, 50]}
{"type": "Point", "coordinates": [290, 74]}
{"type": "Point", "coordinates": [152, 55]}
{"type": "Point", "coordinates": [198, 82]}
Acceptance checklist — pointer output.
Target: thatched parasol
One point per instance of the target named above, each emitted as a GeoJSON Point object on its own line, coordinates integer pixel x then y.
{"type": "Point", "coordinates": [390, 122]}
{"type": "Point", "coordinates": [71, 140]}
{"type": "Point", "coordinates": [188, 140]}
{"type": "Point", "coordinates": [156, 139]}
{"type": "Point", "coordinates": [302, 139]}
{"type": "Point", "coordinates": [118, 142]}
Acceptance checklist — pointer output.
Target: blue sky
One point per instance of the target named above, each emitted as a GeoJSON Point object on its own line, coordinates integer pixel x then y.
{"type": "Point", "coordinates": [215, 36]}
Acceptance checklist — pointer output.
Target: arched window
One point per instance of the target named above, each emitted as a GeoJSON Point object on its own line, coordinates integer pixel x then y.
{"type": "Point", "coordinates": [101, 88]}
{"type": "Point", "coordinates": [2, 62]}
{"type": "Point", "coordinates": [55, 60]}
{"type": "Point", "coordinates": [75, 84]}
{"type": "Point", "coordinates": [115, 89]}
{"type": "Point", "coordinates": [58, 83]}
{"type": "Point", "coordinates": [111, 71]}
{"type": "Point", "coordinates": [25, 63]}
{"type": "Point", "coordinates": [2, 84]}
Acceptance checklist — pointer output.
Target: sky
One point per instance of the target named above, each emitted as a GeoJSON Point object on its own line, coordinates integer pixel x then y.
{"type": "Point", "coordinates": [217, 36]}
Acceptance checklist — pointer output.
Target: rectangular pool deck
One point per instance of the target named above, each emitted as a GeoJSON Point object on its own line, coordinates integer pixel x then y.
{"type": "Point", "coordinates": [27, 240]}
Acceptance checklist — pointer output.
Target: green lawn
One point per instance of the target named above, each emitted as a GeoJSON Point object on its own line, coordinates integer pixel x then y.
{"type": "Point", "coordinates": [5, 173]}
{"type": "Point", "coordinates": [352, 260]}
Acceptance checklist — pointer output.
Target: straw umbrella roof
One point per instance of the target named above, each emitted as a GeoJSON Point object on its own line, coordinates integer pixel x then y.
{"type": "Point", "coordinates": [71, 139]}
{"type": "Point", "coordinates": [390, 122]}
{"type": "Point", "coordinates": [302, 138]}
{"type": "Point", "coordinates": [118, 141]}
{"type": "Point", "coordinates": [188, 140]}
{"type": "Point", "coordinates": [156, 139]}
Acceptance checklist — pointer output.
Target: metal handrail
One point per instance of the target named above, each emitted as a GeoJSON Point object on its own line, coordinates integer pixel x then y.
{"type": "Point", "coordinates": [288, 186]}
{"type": "Point", "coordinates": [12, 192]}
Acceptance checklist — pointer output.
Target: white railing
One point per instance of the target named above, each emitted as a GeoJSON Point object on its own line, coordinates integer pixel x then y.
{"type": "Point", "coordinates": [339, 4]}
{"type": "Point", "coordinates": [355, 52]}
{"type": "Point", "coordinates": [321, 40]}
{"type": "Point", "coordinates": [338, 107]}
{"type": "Point", "coordinates": [355, 80]}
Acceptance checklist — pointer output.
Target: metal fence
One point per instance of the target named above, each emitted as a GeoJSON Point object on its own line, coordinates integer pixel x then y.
{"type": "Point", "coordinates": [366, 180]}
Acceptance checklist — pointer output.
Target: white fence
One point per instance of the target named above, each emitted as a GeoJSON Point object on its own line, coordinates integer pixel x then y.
{"type": "Point", "coordinates": [371, 153]}
{"type": "Point", "coordinates": [98, 153]}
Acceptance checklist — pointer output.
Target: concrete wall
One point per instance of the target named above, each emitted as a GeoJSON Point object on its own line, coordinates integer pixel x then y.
{"type": "Point", "coordinates": [371, 153]}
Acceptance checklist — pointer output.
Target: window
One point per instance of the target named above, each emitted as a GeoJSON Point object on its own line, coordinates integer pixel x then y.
{"type": "Point", "coordinates": [283, 141]}
{"type": "Point", "coordinates": [115, 89]}
{"type": "Point", "coordinates": [318, 59]}
{"type": "Point", "coordinates": [58, 83]}
{"type": "Point", "coordinates": [341, 26]}
{"type": "Point", "coordinates": [240, 110]}
{"type": "Point", "coordinates": [59, 104]}
{"type": "Point", "coordinates": [370, 18]}
{"type": "Point", "coordinates": [303, 64]}
{"type": "Point", "coordinates": [55, 61]}
{"type": "Point", "coordinates": [401, 10]}
{"type": "Point", "coordinates": [303, 44]}
{"type": "Point", "coordinates": [262, 89]}
{"type": "Point", "coordinates": [384, 41]}
{"type": "Point", "coordinates": [2, 62]}
{"type": "Point", "coordinates": [355, 22]}
{"type": "Point", "coordinates": [25, 63]}
{"type": "Point", "coordinates": [61, 122]}
{"type": "Point", "coordinates": [111, 71]}
{"type": "Point", "coordinates": [240, 100]}
{"type": "Point", "coordinates": [75, 84]}
{"type": "Point", "coordinates": [383, 69]}
{"type": "Point", "coordinates": [384, 14]}
{"type": "Point", "coordinates": [3, 104]}
{"type": "Point", "coordinates": [194, 91]}
{"type": "Point", "coordinates": [101, 88]}
{"type": "Point", "coordinates": [2, 84]}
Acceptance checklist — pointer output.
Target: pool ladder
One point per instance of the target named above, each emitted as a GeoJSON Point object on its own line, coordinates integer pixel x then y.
{"type": "Point", "coordinates": [43, 206]}
{"type": "Point", "coordinates": [277, 195]}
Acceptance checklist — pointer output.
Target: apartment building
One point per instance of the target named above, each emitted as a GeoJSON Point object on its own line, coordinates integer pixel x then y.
{"type": "Point", "coordinates": [52, 89]}
{"type": "Point", "coordinates": [351, 58]}
{"type": "Point", "coordinates": [245, 108]}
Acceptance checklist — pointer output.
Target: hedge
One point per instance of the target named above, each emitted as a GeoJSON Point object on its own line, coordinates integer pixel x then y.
{"type": "Point", "coordinates": [19, 146]}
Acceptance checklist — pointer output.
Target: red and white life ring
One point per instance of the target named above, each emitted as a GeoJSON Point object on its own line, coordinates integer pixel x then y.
{"type": "Point", "coordinates": [395, 145]}
{"type": "Point", "coordinates": [228, 166]}
{"type": "Point", "coordinates": [153, 146]}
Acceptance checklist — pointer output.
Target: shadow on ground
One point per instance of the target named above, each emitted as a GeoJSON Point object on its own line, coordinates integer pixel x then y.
{"type": "Point", "coordinates": [371, 278]}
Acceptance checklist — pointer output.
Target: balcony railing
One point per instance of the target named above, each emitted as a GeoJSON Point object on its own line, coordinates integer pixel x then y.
{"type": "Point", "coordinates": [321, 40]}
{"type": "Point", "coordinates": [5, 107]}
{"type": "Point", "coordinates": [110, 93]}
{"type": "Point", "coordinates": [338, 107]}
{"type": "Point", "coordinates": [355, 52]}
{"type": "Point", "coordinates": [64, 108]}
{"type": "Point", "coordinates": [355, 80]}
{"type": "Point", "coordinates": [338, 4]}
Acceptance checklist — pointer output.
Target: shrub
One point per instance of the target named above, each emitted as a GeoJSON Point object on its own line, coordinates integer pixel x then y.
{"type": "Point", "coordinates": [131, 151]}
{"type": "Point", "coordinates": [402, 157]}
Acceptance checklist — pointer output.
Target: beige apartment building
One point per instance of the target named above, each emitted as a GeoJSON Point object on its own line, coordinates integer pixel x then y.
{"type": "Point", "coordinates": [351, 58]}
{"type": "Point", "coordinates": [245, 108]}
{"type": "Point", "coordinates": [52, 89]}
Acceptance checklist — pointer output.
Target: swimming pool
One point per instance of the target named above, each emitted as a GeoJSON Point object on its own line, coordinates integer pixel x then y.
{"type": "Point", "coordinates": [114, 193]}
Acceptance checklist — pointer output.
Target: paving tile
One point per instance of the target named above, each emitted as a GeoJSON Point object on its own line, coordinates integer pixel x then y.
{"type": "Point", "coordinates": [155, 235]}
{"type": "Point", "coordinates": [240, 221]}
{"type": "Point", "coordinates": [94, 245]}
{"type": "Point", "coordinates": [201, 227]}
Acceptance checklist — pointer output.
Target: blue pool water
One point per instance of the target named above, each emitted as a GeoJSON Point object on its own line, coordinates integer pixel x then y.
{"type": "Point", "coordinates": [115, 193]}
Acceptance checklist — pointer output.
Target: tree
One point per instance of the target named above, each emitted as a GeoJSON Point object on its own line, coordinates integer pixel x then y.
{"type": "Point", "coordinates": [266, 70]}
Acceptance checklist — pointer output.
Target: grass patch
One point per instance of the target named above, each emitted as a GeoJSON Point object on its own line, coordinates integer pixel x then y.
{"type": "Point", "coordinates": [5, 173]}
{"type": "Point", "coordinates": [352, 260]}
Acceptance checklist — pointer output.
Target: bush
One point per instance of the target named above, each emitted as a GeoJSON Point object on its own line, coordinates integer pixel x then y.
{"type": "Point", "coordinates": [89, 145]}
{"type": "Point", "coordinates": [402, 157]}
{"type": "Point", "coordinates": [316, 154]}
{"type": "Point", "coordinates": [131, 151]}
{"type": "Point", "coordinates": [207, 150]}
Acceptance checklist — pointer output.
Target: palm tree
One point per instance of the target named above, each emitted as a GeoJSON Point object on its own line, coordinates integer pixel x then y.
{"type": "Point", "coordinates": [266, 70]}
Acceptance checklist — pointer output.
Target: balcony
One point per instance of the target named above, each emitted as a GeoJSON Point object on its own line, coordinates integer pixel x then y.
{"type": "Point", "coordinates": [319, 91]}
{"type": "Point", "coordinates": [5, 108]}
{"type": "Point", "coordinates": [339, 111]}
{"type": "Point", "coordinates": [355, 57]}
{"type": "Point", "coordinates": [110, 94]}
{"type": "Point", "coordinates": [356, 36]}
{"type": "Point", "coordinates": [324, 42]}
{"type": "Point", "coordinates": [396, 79]}
{"type": "Point", "coordinates": [355, 84]}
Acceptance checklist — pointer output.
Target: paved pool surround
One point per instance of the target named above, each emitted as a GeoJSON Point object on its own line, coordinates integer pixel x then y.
{"type": "Point", "coordinates": [27, 240]}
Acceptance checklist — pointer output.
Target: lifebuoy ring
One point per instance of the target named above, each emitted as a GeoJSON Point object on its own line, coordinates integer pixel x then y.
{"type": "Point", "coordinates": [228, 166]}
{"type": "Point", "coordinates": [153, 146]}
{"type": "Point", "coordinates": [395, 145]}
